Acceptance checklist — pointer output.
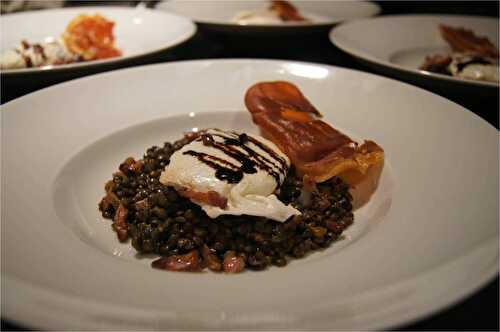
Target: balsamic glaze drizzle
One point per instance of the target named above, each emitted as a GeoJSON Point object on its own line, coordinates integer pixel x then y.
{"type": "Point", "coordinates": [37, 48]}
{"type": "Point", "coordinates": [236, 146]}
{"type": "Point", "coordinates": [224, 170]}
{"type": "Point", "coordinates": [475, 60]}
{"type": "Point", "coordinates": [27, 61]}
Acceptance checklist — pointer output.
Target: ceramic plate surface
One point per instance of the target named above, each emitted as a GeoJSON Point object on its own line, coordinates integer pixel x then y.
{"type": "Point", "coordinates": [138, 31]}
{"type": "Point", "coordinates": [408, 39]}
{"type": "Point", "coordinates": [427, 238]}
{"type": "Point", "coordinates": [221, 12]}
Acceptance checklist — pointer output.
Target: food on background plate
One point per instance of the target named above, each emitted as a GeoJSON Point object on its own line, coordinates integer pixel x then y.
{"type": "Point", "coordinates": [279, 12]}
{"type": "Point", "coordinates": [232, 201]}
{"type": "Point", "coordinates": [28, 55]}
{"type": "Point", "coordinates": [86, 38]}
{"type": "Point", "coordinates": [473, 57]}
{"type": "Point", "coordinates": [91, 37]}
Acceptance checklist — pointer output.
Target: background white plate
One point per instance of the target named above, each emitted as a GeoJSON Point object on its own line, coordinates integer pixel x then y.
{"type": "Point", "coordinates": [407, 39]}
{"type": "Point", "coordinates": [220, 13]}
{"type": "Point", "coordinates": [427, 238]}
{"type": "Point", "coordinates": [138, 31]}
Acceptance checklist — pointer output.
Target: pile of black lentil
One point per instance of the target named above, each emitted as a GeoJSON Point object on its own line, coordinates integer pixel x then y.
{"type": "Point", "coordinates": [159, 220]}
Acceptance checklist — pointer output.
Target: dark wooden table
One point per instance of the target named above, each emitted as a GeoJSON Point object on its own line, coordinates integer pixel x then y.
{"type": "Point", "coordinates": [478, 312]}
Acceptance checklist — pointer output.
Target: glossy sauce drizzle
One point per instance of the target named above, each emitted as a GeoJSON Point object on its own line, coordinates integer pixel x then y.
{"type": "Point", "coordinates": [37, 48]}
{"type": "Point", "coordinates": [237, 147]}
{"type": "Point", "coordinates": [473, 61]}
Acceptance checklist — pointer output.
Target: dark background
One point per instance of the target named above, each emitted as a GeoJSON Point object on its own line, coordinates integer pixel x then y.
{"type": "Point", "coordinates": [478, 312]}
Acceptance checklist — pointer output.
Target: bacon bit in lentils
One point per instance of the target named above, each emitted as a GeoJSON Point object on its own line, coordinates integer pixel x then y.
{"type": "Point", "coordinates": [119, 225]}
{"type": "Point", "coordinates": [210, 259]}
{"type": "Point", "coordinates": [189, 262]}
{"type": "Point", "coordinates": [233, 263]}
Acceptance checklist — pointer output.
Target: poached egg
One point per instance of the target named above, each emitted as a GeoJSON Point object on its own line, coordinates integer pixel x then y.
{"type": "Point", "coordinates": [243, 169]}
{"type": "Point", "coordinates": [474, 68]}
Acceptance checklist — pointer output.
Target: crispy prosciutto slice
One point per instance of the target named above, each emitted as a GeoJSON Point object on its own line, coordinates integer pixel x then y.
{"type": "Point", "coordinates": [463, 40]}
{"type": "Point", "coordinates": [316, 149]}
{"type": "Point", "coordinates": [286, 11]}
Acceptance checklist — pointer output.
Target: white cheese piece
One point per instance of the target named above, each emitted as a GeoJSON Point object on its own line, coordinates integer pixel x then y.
{"type": "Point", "coordinates": [38, 55]}
{"type": "Point", "coordinates": [11, 60]}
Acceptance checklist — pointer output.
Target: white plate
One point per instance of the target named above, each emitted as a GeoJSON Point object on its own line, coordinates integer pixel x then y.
{"type": "Point", "coordinates": [138, 32]}
{"type": "Point", "coordinates": [427, 238]}
{"type": "Point", "coordinates": [219, 13]}
{"type": "Point", "coordinates": [407, 40]}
